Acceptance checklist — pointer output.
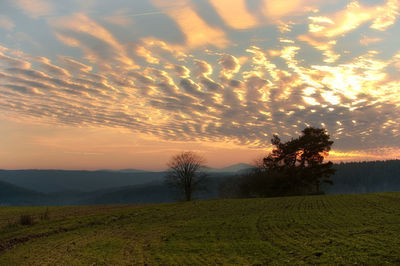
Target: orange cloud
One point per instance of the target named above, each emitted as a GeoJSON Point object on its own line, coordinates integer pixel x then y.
{"type": "Point", "coordinates": [235, 14]}
{"type": "Point", "coordinates": [276, 10]}
{"type": "Point", "coordinates": [51, 68]}
{"type": "Point", "coordinates": [323, 45]}
{"type": "Point", "coordinates": [80, 23]}
{"type": "Point", "coordinates": [119, 18]}
{"type": "Point", "coordinates": [159, 45]}
{"type": "Point", "coordinates": [353, 16]}
{"type": "Point", "coordinates": [6, 23]}
{"type": "Point", "coordinates": [385, 153]}
{"type": "Point", "coordinates": [147, 54]}
{"type": "Point", "coordinates": [13, 62]}
{"type": "Point", "coordinates": [216, 98]}
{"type": "Point", "coordinates": [68, 40]}
{"type": "Point", "coordinates": [73, 65]}
{"type": "Point", "coordinates": [324, 29]}
{"type": "Point", "coordinates": [34, 8]}
{"type": "Point", "coordinates": [196, 30]}
{"type": "Point", "coordinates": [367, 40]}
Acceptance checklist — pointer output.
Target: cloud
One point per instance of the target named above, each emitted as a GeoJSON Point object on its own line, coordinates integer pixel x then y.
{"type": "Point", "coordinates": [97, 42]}
{"type": "Point", "coordinates": [34, 8]}
{"type": "Point", "coordinates": [75, 66]}
{"type": "Point", "coordinates": [386, 15]}
{"type": "Point", "coordinates": [276, 10]}
{"type": "Point", "coordinates": [6, 23]}
{"type": "Point", "coordinates": [51, 68]}
{"type": "Point", "coordinates": [367, 40]}
{"type": "Point", "coordinates": [181, 71]}
{"type": "Point", "coordinates": [235, 13]}
{"type": "Point", "coordinates": [14, 62]}
{"type": "Point", "coordinates": [196, 30]}
{"type": "Point", "coordinates": [145, 53]}
{"type": "Point", "coordinates": [202, 68]}
{"type": "Point", "coordinates": [119, 18]}
{"type": "Point", "coordinates": [323, 45]}
{"type": "Point", "coordinates": [355, 15]}
{"type": "Point", "coordinates": [230, 92]}
{"type": "Point", "coordinates": [325, 29]}
{"type": "Point", "coordinates": [229, 63]}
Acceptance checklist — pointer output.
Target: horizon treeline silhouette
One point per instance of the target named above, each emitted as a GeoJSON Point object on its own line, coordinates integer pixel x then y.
{"type": "Point", "coordinates": [294, 167]}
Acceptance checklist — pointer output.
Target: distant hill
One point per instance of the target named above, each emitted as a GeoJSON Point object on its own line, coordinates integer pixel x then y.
{"type": "Point", "coordinates": [146, 193]}
{"type": "Point", "coordinates": [14, 195]}
{"type": "Point", "coordinates": [150, 192]}
{"type": "Point", "coordinates": [51, 181]}
{"type": "Point", "coordinates": [61, 180]}
{"type": "Point", "coordinates": [153, 192]}
{"type": "Point", "coordinates": [128, 170]}
{"type": "Point", "coordinates": [58, 187]}
{"type": "Point", "coordinates": [231, 169]}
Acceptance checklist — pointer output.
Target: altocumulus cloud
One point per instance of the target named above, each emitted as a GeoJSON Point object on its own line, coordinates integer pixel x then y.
{"type": "Point", "coordinates": [238, 92]}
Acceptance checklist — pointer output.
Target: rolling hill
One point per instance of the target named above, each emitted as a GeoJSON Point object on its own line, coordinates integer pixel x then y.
{"type": "Point", "coordinates": [49, 181]}
{"type": "Point", "coordinates": [58, 187]}
{"type": "Point", "coordinates": [13, 195]}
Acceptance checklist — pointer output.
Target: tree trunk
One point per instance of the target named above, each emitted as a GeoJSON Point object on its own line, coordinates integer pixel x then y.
{"type": "Point", "coordinates": [188, 194]}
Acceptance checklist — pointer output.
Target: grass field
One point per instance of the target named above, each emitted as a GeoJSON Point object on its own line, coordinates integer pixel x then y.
{"type": "Point", "coordinates": [337, 229]}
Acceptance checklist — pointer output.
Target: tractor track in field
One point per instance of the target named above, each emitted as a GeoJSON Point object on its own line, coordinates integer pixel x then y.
{"type": "Point", "coordinates": [11, 243]}
{"type": "Point", "coordinates": [342, 229]}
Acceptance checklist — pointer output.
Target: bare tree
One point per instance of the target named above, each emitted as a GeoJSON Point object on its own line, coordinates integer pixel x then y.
{"type": "Point", "coordinates": [185, 173]}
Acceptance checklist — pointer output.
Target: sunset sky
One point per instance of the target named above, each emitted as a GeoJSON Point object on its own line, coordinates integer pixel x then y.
{"type": "Point", "coordinates": [101, 84]}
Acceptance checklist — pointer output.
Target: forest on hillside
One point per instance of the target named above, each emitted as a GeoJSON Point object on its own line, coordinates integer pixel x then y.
{"type": "Point", "coordinates": [365, 177]}
{"type": "Point", "coordinates": [354, 177]}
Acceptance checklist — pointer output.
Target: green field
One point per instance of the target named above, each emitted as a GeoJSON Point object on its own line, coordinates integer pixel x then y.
{"type": "Point", "coordinates": [337, 229]}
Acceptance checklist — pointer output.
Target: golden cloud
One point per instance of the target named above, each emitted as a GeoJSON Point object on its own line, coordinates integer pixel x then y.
{"type": "Point", "coordinates": [276, 10]}
{"type": "Point", "coordinates": [145, 53]}
{"type": "Point", "coordinates": [34, 8]}
{"type": "Point", "coordinates": [196, 30]}
{"type": "Point", "coordinates": [353, 16]}
{"type": "Point", "coordinates": [80, 23]}
{"type": "Point", "coordinates": [235, 13]}
{"type": "Point", "coordinates": [367, 40]}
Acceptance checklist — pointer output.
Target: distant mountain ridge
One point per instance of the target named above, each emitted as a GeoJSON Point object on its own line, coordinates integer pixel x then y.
{"type": "Point", "coordinates": [231, 168]}
{"type": "Point", "coordinates": [13, 195]}
{"type": "Point", "coordinates": [49, 181]}
{"type": "Point", "coordinates": [228, 169]}
{"type": "Point", "coordinates": [61, 187]}
{"type": "Point", "coordinates": [53, 181]}
{"type": "Point", "coordinates": [128, 170]}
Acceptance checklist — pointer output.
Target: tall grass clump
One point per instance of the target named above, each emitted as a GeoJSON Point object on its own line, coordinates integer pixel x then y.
{"type": "Point", "coordinates": [26, 219]}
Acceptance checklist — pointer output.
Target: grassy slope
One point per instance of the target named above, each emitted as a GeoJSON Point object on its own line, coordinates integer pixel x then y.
{"type": "Point", "coordinates": [333, 229]}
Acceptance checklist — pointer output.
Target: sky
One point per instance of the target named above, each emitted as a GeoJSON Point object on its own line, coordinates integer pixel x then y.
{"type": "Point", "coordinates": [102, 84]}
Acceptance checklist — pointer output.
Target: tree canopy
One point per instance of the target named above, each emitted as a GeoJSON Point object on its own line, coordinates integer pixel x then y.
{"type": "Point", "coordinates": [294, 167]}
{"type": "Point", "coordinates": [300, 161]}
{"type": "Point", "coordinates": [185, 173]}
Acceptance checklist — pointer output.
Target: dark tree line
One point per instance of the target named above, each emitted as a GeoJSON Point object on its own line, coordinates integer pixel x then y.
{"type": "Point", "coordinates": [366, 177]}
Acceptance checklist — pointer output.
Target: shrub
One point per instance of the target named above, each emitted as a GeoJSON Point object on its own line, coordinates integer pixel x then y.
{"type": "Point", "coordinates": [45, 215]}
{"type": "Point", "coordinates": [26, 219]}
